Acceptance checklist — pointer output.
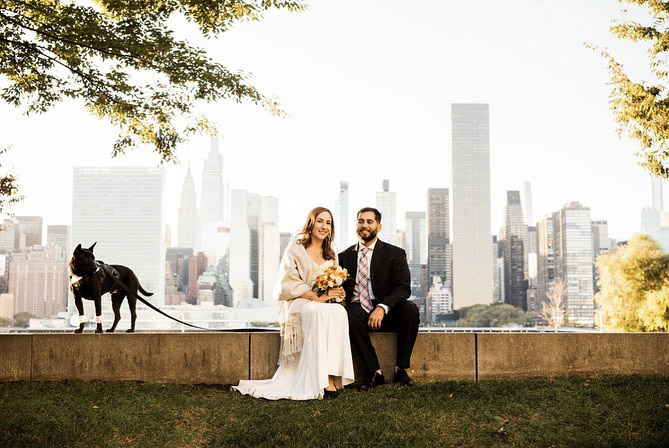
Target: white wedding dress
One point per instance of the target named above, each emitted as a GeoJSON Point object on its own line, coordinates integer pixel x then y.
{"type": "Point", "coordinates": [326, 351]}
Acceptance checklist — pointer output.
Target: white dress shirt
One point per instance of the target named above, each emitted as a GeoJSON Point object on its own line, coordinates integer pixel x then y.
{"type": "Point", "coordinates": [370, 250]}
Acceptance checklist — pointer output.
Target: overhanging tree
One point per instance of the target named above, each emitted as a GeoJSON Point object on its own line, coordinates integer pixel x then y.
{"type": "Point", "coordinates": [9, 189]}
{"type": "Point", "coordinates": [642, 108]}
{"type": "Point", "coordinates": [124, 62]}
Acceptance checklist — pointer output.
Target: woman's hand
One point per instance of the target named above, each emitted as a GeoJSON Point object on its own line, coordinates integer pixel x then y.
{"type": "Point", "coordinates": [333, 293]}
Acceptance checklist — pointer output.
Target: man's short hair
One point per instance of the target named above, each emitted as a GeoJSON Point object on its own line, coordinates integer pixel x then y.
{"type": "Point", "coordinates": [377, 214]}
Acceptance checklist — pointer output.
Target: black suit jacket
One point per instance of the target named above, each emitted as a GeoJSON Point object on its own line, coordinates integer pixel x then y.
{"type": "Point", "coordinates": [391, 280]}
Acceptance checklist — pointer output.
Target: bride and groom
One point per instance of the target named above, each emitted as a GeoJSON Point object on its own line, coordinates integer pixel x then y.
{"type": "Point", "coordinates": [319, 336]}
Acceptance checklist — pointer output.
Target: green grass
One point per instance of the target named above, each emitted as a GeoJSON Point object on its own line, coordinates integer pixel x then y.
{"type": "Point", "coordinates": [601, 411]}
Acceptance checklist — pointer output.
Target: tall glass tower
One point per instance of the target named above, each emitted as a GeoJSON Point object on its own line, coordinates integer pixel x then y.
{"type": "Point", "coordinates": [342, 222]}
{"type": "Point", "coordinates": [386, 203]}
{"type": "Point", "coordinates": [515, 247]}
{"type": "Point", "coordinates": [128, 224]}
{"type": "Point", "coordinates": [211, 202]}
{"type": "Point", "coordinates": [416, 249]}
{"type": "Point", "coordinates": [472, 238]}
{"type": "Point", "coordinates": [573, 260]}
{"type": "Point", "coordinates": [438, 236]}
{"type": "Point", "coordinates": [189, 224]}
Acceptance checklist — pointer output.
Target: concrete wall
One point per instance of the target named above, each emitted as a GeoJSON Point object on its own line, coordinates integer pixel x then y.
{"type": "Point", "coordinates": [224, 358]}
{"type": "Point", "coordinates": [555, 354]}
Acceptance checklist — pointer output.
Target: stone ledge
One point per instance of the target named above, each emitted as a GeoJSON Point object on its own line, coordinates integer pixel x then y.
{"type": "Point", "coordinates": [556, 354]}
{"type": "Point", "coordinates": [224, 358]}
{"type": "Point", "coordinates": [152, 357]}
{"type": "Point", "coordinates": [16, 357]}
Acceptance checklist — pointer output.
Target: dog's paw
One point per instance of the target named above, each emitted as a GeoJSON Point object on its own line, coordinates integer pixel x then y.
{"type": "Point", "coordinates": [129, 330]}
{"type": "Point", "coordinates": [109, 330]}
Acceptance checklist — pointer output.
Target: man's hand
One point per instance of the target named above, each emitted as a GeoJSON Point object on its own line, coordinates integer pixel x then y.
{"type": "Point", "coordinates": [375, 318]}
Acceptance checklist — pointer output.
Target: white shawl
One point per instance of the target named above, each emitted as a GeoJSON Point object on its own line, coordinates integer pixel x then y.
{"type": "Point", "coordinates": [296, 276]}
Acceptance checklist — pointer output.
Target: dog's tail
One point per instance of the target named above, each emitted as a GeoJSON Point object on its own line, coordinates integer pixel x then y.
{"type": "Point", "coordinates": [146, 293]}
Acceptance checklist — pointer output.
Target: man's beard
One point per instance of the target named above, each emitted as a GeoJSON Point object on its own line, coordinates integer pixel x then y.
{"type": "Point", "coordinates": [370, 237]}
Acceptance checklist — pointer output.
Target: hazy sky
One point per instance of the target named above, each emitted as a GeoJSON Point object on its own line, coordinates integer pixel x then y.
{"type": "Point", "coordinates": [368, 86]}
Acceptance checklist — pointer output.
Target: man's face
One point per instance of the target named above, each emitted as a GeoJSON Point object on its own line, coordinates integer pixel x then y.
{"type": "Point", "coordinates": [368, 227]}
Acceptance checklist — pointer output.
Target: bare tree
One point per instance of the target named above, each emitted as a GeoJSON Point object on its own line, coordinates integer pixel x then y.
{"type": "Point", "coordinates": [554, 308]}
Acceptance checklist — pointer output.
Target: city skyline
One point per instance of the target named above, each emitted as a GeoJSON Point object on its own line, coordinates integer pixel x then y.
{"type": "Point", "coordinates": [381, 122]}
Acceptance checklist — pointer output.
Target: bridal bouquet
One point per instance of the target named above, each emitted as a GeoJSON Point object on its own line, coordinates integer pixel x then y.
{"type": "Point", "coordinates": [332, 277]}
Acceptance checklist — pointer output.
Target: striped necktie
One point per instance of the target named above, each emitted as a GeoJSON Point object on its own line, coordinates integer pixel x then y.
{"type": "Point", "coordinates": [362, 282]}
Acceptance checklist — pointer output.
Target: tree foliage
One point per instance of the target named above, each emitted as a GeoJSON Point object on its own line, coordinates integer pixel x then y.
{"type": "Point", "coordinates": [22, 319]}
{"type": "Point", "coordinates": [9, 189]}
{"type": "Point", "coordinates": [634, 286]}
{"type": "Point", "coordinates": [642, 108]}
{"type": "Point", "coordinates": [121, 58]}
{"type": "Point", "coordinates": [494, 315]}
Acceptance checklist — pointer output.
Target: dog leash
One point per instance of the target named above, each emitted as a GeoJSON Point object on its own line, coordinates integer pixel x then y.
{"type": "Point", "coordinates": [108, 269]}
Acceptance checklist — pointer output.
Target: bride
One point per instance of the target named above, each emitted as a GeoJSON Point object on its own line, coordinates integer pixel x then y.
{"type": "Point", "coordinates": [315, 347]}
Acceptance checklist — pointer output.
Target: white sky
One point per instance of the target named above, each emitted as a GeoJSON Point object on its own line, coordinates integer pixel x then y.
{"type": "Point", "coordinates": [368, 86]}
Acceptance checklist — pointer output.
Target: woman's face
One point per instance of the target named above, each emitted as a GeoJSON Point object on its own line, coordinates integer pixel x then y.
{"type": "Point", "coordinates": [323, 226]}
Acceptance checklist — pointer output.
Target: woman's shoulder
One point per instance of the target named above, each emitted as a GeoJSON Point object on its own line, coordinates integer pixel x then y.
{"type": "Point", "coordinates": [295, 246]}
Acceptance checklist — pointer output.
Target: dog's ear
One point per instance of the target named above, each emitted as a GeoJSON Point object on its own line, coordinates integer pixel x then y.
{"type": "Point", "coordinates": [91, 248]}
{"type": "Point", "coordinates": [78, 248]}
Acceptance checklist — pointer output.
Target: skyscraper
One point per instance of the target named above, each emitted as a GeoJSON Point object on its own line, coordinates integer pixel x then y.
{"type": "Point", "coordinates": [39, 282]}
{"type": "Point", "coordinates": [269, 248]}
{"type": "Point", "coordinates": [514, 244]}
{"type": "Point", "coordinates": [573, 260]}
{"type": "Point", "coordinates": [601, 244]}
{"type": "Point", "coordinates": [416, 249]}
{"type": "Point", "coordinates": [343, 224]}
{"type": "Point", "coordinates": [197, 264]}
{"type": "Point", "coordinates": [9, 235]}
{"type": "Point", "coordinates": [545, 265]}
{"type": "Point", "coordinates": [211, 202]}
{"type": "Point", "coordinates": [30, 231]}
{"type": "Point", "coordinates": [527, 203]}
{"type": "Point", "coordinates": [240, 248]}
{"type": "Point", "coordinates": [438, 236]}
{"type": "Point", "coordinates": [254, 222]}
{"type": "Point", "coordinates": [60, 236]}
{"type": "Point", "coordinates": [472, 263]}
{"type": "Point", "coordinates": [386, 203]}
{"type": "Point", "coordinates": [440, 300]}
{"type": "Point", "coordinates": [189, 223]}
{"type": "Point", "coordinates": [255, 246]}
{"type": "Point", "coordinates": [128, 225]}
{"type": "Point", "coordinates": [531, 255]}
{"type": "Point", "coordinates": [655, 223]}
{"type": "Point", "coordinates": [656, 193]}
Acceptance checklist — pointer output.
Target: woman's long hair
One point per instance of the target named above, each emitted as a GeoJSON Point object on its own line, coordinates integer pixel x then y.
{"type": "Point", "coordinates": [328, 253]}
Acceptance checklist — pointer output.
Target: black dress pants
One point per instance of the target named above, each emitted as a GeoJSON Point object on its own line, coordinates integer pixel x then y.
{"type": "Point", "coordinates": [402, 319]}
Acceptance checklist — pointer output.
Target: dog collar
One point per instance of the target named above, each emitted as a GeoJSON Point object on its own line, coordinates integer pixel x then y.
{"type": "Point", "coordinates": [74, 279]}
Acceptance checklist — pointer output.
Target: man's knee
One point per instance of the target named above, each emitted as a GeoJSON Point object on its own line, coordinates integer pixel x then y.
{"type": "Point", "coordinates": [409, 311]}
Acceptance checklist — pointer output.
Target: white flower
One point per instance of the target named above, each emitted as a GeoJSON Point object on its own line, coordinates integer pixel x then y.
{"type": "Point", "coordinates": [339, 281]}
{"type": "Point", "coordinates": [330, 284]}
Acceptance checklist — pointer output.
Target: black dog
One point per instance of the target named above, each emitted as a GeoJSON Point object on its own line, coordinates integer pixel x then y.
{"type": "Point", "coordinates": [91, 280]}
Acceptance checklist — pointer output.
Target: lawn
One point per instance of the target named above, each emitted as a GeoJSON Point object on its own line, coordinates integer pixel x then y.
{"type": "Point", "coordinates": [600, 411]}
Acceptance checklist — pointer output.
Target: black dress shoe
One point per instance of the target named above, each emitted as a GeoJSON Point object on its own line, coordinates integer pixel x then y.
{"type": "Point", "coordinates": [329, 394]}
{"type": "Point", "coordinates": [377, 380]}
{"type": "Point", "coordinates": [403, 379]}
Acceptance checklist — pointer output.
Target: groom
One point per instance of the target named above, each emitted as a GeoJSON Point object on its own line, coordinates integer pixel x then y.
{"type": "Point", "coordinates": [376, 297]}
